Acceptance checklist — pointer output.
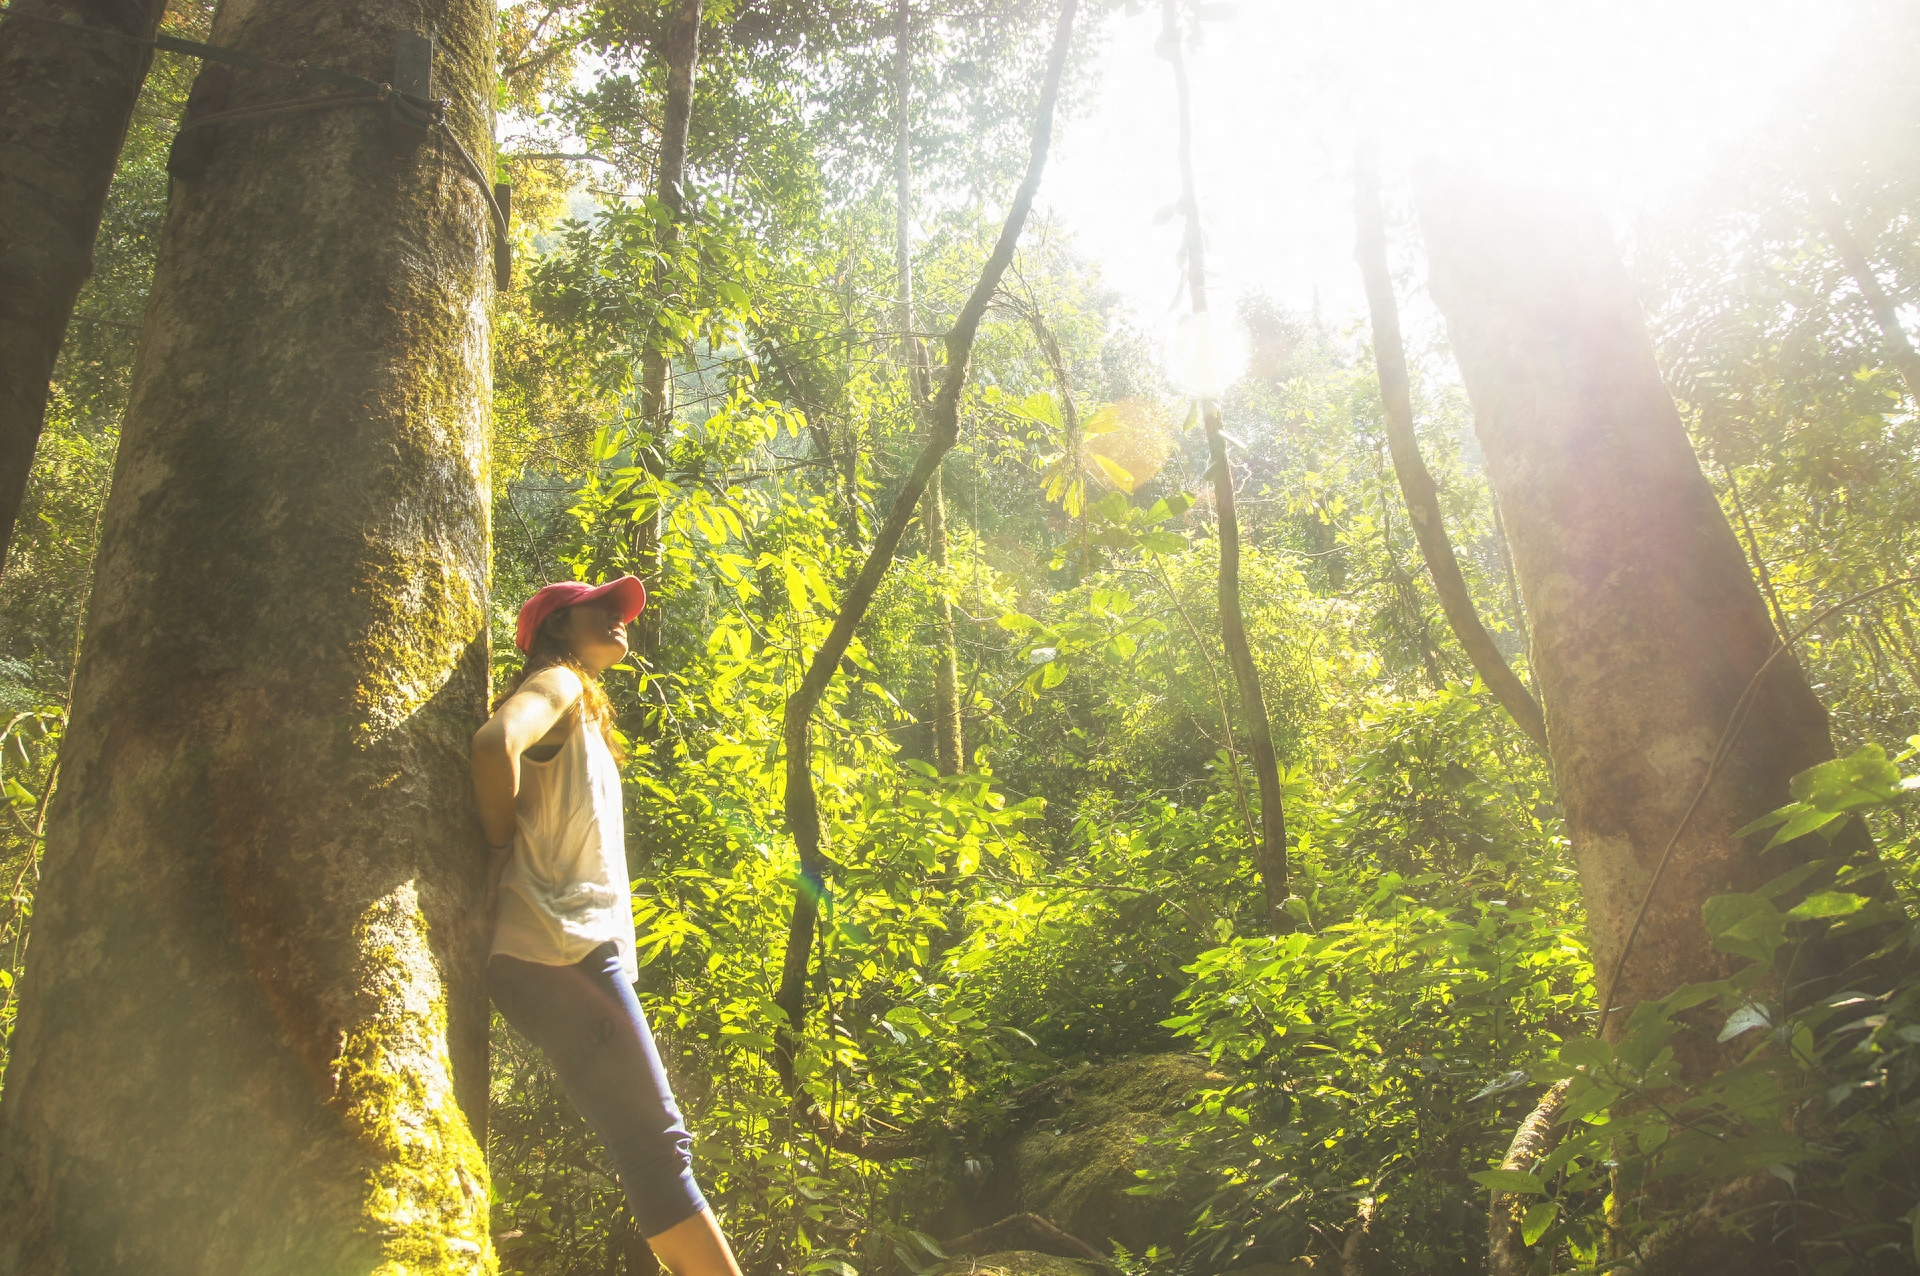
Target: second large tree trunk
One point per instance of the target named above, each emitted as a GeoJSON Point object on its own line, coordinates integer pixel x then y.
{"type": "Point", "coordinates": [67, 89]}
{"type": "Point", "coordinates": [1647, 623]}
{"type": "Point", "coordinates": [253, 1031]}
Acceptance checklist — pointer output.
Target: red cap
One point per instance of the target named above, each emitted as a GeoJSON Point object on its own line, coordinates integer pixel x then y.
{"type": "Point", "coordinates": [627, 591]}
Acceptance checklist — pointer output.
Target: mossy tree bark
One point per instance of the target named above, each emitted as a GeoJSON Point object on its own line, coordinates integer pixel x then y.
{"type": "Point", "coordinates": [1647, 624]}
{"type": "Point", "coordinates": [67, 90]}
{"type": "Point", "coordinates": [253, 1031]}
{"type": "Point", "coordinates": [1270, 855]}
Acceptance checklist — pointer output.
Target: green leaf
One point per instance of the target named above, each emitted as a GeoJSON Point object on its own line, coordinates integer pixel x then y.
{"type": "Point", "coordinates": [1040, 406]}
{"type": "Point", "coordinates": [1163, 542]}
{"type": "Point", "coordinates": [1516, 1181]}
{"type": "Point", "coordinates": [1538, 1220]}
{"type": "Point", "coordinates": [1827, 904]}
{"type": "Point", "coordinates": [1115, 472]}
{"type": "Point", "coordinates": [1587, 1052]}
{"type": "Point", "coordinates": [1745, 925]}
{"type": "Point", "coordinates": [1864, 778]}
{"type": "Point", "coordinates": [1111, 508]}
{"type": "Point", "coordinates": [1105, 421]}
{"type": "Point", "coordinates": [1745, 1019]}
{"type": "Point", "coordinates": [1800, 820]}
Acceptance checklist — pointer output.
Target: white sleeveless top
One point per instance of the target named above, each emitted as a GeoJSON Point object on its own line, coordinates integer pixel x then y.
{"type": "Point", "coordinates": [565, 891]}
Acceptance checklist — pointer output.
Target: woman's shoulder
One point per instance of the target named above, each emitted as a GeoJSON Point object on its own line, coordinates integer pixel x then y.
{"type": "Point", "coordinates": [556, 684]}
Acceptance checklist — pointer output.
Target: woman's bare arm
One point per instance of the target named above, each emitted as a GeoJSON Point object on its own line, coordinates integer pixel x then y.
{"type": "Point", "coordinates": [519, 723]}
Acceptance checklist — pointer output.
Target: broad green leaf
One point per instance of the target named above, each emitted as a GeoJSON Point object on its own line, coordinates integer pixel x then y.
{"type": "Point", "coordinates": [1587, 1052]}
{"type": "Point", "coordinates": [1745, 1019]}
{"type": "Point", "coordinates": [1106, 420]}
{"type": "Point", "coordinates": [1537, 1220]}
{"type": "Point", "coordinates": [1864, 778]}
{"type": "Point", "coordinates": [1163, 542]}
{"type": "Point", "coordinates": [1115, 472]}
{"type": "Point", "coordinates": [1827, 904]}
{"type": "Point", "coordinates": [1515, 1181]}
{"type": "Point", "coordinates": [1745, 925]}
{"type": "Point", "coordinates": [1040, 406]}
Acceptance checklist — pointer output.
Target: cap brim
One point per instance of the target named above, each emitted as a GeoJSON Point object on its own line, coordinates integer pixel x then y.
{"type": "Point", "coordinates": [627, 591]}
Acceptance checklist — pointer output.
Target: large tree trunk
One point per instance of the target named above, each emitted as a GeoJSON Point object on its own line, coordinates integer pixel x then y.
{"type": "Point", "coordinates": [253, 1032]}
{"type": "Point", "coordinates": [66, 97]}
{"type": "Point", "coordinates": [680, 49]}
{"type": "Point", "coordinates": [1270, 856]}
{"type": "Point", "coordinates": [1416, 481]}
{"type": "Point", "coordinates": [949, 749]}
{"type": "Point", "coordinates": [1647, 624]}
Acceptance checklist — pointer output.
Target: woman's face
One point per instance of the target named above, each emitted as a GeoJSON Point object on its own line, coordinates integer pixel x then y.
{"type": "Point", "coordinates": [596, 634]}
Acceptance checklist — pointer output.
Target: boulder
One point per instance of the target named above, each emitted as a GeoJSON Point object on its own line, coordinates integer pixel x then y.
{"type": "Point", "coordinates": [1074, 1149]}
{"type": "Point", "coordinates": [1015, 1262]}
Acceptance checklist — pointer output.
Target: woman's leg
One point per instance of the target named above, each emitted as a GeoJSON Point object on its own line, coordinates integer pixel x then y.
{"type": "Point", "coordinates": [588, 1022]}
{"type": "Point", "coordinates": [695, 1247]}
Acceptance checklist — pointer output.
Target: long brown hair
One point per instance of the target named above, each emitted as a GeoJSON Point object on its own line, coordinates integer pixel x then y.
{"type": "Point", "coordinates": [550, 649]}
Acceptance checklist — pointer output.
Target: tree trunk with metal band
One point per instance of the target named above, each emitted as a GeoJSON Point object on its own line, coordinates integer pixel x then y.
{"type": "Point", "coordinates": [253, 1028]}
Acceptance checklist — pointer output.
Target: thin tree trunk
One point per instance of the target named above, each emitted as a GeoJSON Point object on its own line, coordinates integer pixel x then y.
{"type": "Point", "coordinates": [1271, 855]}
{"type": "Point", "coordinates": [1416, 483]}
{"type": "Point", "coordinates": [949, 749]}
{"type": "Point", "coordinates": [943, 427]}
{"type": "Point", "coordinates": [1760, 571]}
{"type": "Point", "coordinates": [253, 1034]}
{"type": "Point", "coordinates": [1647, 624]}
{"type": "Point", "coordinates": [1513, 583]}
{"type": "Point", "coordinates": [1536, 1138]}
{"type": "Point", "coordinates": [680, 50]}
{"type": "Point", "coordinates": [67, 91]}
{"type": "Point", "coordinates": [1899, 347]}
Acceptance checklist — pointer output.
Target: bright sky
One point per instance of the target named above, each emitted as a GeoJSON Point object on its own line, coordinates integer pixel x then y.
{"type": "Point", "coordinates": [1633, 98]}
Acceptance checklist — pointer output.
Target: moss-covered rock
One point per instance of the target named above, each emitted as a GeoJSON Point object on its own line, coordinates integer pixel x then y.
{"type": "Point", "coordinates": [1076, 1148]}
{"type": "Point", "coordinates": [1014, 1262]}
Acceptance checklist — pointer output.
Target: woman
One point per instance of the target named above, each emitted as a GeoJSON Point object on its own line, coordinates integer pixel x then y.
{"type": "Point", "coordinates": [562, 969]}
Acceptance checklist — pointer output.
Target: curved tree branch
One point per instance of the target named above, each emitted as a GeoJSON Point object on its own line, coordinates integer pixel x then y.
{"type": "Point", "coordinates": [1416, 483]}
{"type": "Point", "coordinates": [802, 810]}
